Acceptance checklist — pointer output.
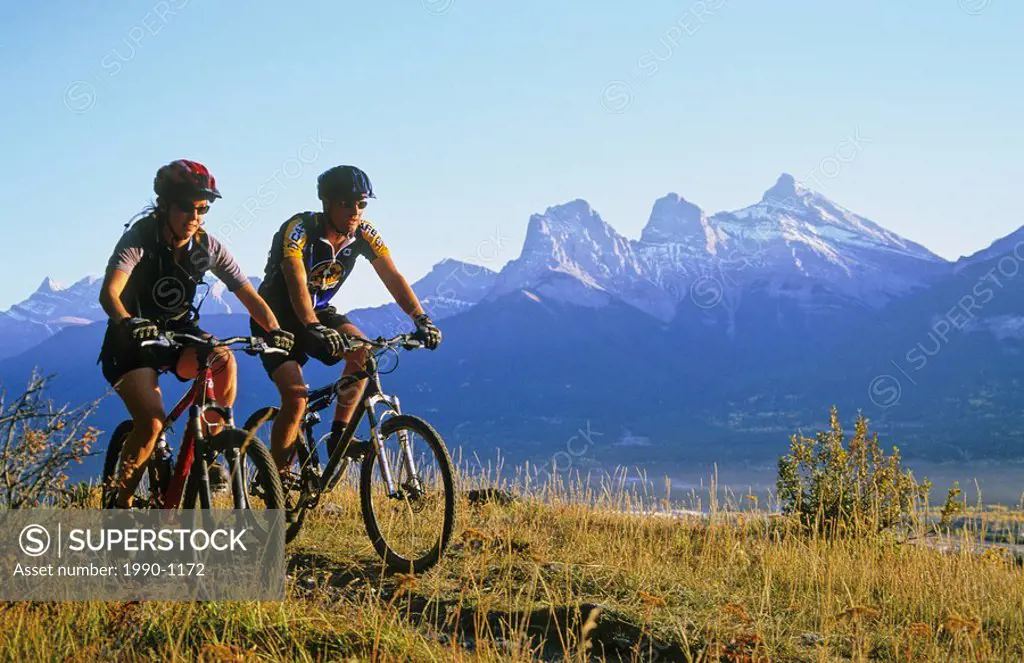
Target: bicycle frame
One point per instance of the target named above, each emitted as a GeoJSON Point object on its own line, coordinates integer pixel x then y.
{"type": "Point", "coordinates": [374, 396]}
{"type": "Point", "coordinates": [198, 400]}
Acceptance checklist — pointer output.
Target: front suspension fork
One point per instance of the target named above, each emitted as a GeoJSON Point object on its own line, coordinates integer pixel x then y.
{"type": "Point", "coordinates": [403, 441]}
{"type": "Point", "coordinates": [200, 468]}
{"type": "Point", "coordinates": [231, 456]}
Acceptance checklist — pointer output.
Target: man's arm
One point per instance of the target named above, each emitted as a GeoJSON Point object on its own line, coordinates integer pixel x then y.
{"type": "Point", "coordinates": [397, 286]}
{"type": "Point", "coordinates": [257, 308]}
{"type": "Point", "coordinates": [295, 279]}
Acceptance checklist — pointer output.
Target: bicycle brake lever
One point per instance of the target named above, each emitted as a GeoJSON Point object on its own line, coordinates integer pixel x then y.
{"type": "Point", "coordinates": [258, 347]}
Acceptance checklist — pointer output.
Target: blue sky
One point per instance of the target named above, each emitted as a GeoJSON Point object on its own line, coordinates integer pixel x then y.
{"type": "Point", "coordinates": [470, 116]}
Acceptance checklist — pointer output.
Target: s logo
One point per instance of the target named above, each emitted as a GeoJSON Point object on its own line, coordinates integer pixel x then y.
{"type": "Point", "coordinates": [34, 540]}
{"type": "Point", "coordinates": [169, 293]}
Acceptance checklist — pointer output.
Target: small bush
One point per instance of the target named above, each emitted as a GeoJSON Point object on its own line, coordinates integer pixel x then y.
{"type": "Point", "coordinates": [846, 489]}
{"type": "Point", "coordinates": [953, 505]}
{"type": "Point", "coordinates": [37, 444]}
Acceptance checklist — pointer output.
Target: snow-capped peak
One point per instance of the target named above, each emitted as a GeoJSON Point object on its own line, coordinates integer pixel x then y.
{"type": "Point", "coordinates": [673, 219]}
{"type": "Point", "coordinates": [574, 239]}
{"type": "Point", "coordinates": [786, 188]}
{"type": "Point", "coordinates": [570, 222]}
{"type": "Point", "coordinates": [791, 238]}
{"type": "Point", "coordinates": [793, 212]}
{"type": "Point", "coordinates": [50, 286]}
{"type": "Point", "coordinates": [570, 253]}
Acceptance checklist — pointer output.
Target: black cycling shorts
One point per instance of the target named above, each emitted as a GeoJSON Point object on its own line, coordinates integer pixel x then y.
{"type": "Point", "coordinates": [328, 317]}
{"type": "Point", "coordinates": [120, 354]}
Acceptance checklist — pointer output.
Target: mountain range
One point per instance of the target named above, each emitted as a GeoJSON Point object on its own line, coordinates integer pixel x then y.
{"type": "Point", "coordinates": [709, 337]}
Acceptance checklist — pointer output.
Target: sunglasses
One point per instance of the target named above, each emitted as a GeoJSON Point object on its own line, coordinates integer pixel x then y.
{"type": "Point", "coordinates": [189, 208]}
{"type": "Point", "coordinates": [357, 204]}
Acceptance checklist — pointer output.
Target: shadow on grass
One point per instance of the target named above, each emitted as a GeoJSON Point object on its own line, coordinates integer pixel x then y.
{"type": "Point", "coordinates": [550, 630]}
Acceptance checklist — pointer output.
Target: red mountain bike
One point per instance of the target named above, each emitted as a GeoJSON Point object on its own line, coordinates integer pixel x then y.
{"type": "Point", "coordinates": [254, 480]}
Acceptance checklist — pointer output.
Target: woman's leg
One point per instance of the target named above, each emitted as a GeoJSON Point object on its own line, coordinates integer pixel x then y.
{"type": "Point", "coordinates": [140, 392]}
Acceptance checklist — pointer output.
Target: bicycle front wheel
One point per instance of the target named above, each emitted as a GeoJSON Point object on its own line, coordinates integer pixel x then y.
{"type": "Point", "coordinates": [410, 527]}
{"type": "Point", "coordinates": [253, 477]}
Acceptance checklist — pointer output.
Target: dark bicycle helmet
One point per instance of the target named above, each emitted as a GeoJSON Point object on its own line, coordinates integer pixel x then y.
{"type": "Point", "coordinates": [343, 182]}
{"type": "Point", "coordinates": [185, 179]}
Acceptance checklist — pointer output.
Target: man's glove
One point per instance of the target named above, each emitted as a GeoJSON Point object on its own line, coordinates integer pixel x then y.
{"type": "Point", "coordinates": [140, 329]}
{"type": "Point", "coordinates": [428, 331]}
{"type": "Point", "coordinates": [279, 338]}
{"type": "Point", "coordinates": [329, 340]}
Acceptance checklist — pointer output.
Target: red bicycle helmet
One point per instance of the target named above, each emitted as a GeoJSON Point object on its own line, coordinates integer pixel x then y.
{"type": "Point", "coordinates": [185, 179]}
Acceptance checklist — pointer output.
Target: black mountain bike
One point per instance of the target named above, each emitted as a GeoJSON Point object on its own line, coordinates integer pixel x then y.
{"type": "Point", "coordinates": [406, 480]}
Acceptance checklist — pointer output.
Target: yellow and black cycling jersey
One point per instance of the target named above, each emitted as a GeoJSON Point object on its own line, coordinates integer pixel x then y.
{"type": "Point", "coordinates": [302, 236]}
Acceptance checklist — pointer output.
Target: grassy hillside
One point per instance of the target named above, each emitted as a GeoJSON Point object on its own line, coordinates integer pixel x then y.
{"type": "Point", "coordinates": [574, 574]}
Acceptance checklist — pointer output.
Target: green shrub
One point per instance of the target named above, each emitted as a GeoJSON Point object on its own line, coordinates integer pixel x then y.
{"type": "Point", "coordinates": [841, 489]}
{"type": "Point", "coordinates": [953, 505]}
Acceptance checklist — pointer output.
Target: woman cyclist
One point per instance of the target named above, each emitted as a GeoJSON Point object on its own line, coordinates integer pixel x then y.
{"type": "Point", "coordinates": [149, 287]}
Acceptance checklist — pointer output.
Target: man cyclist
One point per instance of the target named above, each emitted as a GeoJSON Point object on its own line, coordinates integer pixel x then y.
{"type": "Point", "coordinates": [149, 287]}
{"type": "Point", "coordinates": [311, 256]}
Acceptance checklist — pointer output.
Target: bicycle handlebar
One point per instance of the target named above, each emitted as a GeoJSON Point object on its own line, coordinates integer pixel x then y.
{"type": "Point", "coordinates": [253, 344]}
{"type": "Point", "coordinates": [407, 341]}
{"type": "Point", "coordinates": [258, 345]}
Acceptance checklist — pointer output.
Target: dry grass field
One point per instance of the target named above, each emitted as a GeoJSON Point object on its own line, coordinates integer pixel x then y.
{"type": "Point", "coordinates": [574, 573]}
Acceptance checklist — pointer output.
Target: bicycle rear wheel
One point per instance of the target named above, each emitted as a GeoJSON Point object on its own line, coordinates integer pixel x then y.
{"type": "Point", "coordinates": [411, 528]}
{"type": "Point", "coordinates": [148, 493]}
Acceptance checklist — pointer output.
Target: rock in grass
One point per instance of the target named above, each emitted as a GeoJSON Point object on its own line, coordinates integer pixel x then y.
{"type": "Point", "coordinates": [479, 496]}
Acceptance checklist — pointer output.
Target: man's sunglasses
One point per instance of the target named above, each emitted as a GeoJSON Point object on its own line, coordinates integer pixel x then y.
{"type": "Point", "coordinates": [189, 208]}
{"type": "Point", "coordinates": [357, 204]}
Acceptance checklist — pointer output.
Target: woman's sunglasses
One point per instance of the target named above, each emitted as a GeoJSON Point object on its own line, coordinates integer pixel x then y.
{"type": "Point", "coordinates": [189, 208]}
